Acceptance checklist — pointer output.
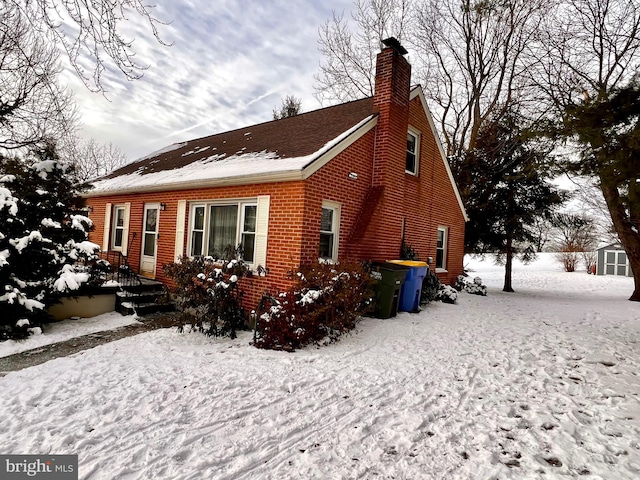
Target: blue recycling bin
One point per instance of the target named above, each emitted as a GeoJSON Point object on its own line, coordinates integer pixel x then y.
{"type": "Point", "coordinates": [412, 286]}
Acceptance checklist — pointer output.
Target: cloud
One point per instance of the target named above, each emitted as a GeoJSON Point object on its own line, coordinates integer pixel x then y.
{"type": "Point", "coordinates": [229, 65]}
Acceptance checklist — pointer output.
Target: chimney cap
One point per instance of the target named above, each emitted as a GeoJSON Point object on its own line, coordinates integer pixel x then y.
{"type": "Point", "coordinates": [393, 42]}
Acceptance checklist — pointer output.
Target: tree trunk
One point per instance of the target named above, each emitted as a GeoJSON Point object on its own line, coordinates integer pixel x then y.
{"type": "Point", "coordinates": [627, 232]}
{"type": "Point", "coordinates": [507, 266]}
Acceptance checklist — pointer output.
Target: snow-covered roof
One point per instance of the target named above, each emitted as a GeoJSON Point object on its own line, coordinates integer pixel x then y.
{"type": "Point", "coordinates": [612, 246]}
{"type": "Point", "coordinates": [273, 151]}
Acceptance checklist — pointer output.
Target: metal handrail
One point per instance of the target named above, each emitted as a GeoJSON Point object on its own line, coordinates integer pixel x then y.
{"type": "Point", "coordinates": [121, 271]}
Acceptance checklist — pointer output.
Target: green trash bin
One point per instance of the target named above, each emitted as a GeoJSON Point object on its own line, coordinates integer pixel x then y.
{"type": "Point", "coordinates": [389, 280]}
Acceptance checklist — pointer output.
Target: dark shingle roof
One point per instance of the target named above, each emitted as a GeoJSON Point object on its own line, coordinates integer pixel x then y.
{"type": "Point", "coordinates": [291, 137]}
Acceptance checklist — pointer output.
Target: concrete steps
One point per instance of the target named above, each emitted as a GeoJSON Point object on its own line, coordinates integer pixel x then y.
{"type": "Point", "coordinates": [142, 298]}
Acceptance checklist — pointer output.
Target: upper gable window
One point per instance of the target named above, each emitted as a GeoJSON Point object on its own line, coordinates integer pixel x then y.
{"type": "Point", "coordinates": [413, 149]}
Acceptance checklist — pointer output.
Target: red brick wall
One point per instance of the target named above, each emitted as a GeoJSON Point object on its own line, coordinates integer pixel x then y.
{"type": "Point", "coordinates": [283, 242]}
{"type": "Point", "coordinates": [332, 183]}
{"type": "Point", "coordinates": [423, 202]}
{"type": "Point", "coordinates": [430, 201]}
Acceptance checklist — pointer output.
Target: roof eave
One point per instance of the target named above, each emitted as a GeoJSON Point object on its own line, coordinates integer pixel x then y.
{"type": "Point", "coordinates": [287, 176]}
{"type": "Point", "coordinates": [317, 163]}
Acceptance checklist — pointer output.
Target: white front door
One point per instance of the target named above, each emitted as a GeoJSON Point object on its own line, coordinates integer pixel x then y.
{"type": "Point", "coordinates": [150, 240]}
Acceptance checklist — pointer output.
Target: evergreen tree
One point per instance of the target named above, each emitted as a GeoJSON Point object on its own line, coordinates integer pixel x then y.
{"type": "Point", "coordinates": [608, 132]}
{"type": "Point", "coordinates": [44, 250]}
{"type": "Point", "coordinates": [505, 191]}
{"type": "Point", "coordinates": [291, 106]}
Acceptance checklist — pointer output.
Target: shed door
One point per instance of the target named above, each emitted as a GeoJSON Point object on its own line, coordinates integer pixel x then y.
{"type": "Point", "coordinates": [616, 263]}
{"type": "Point", "coordinates": [150, 240]}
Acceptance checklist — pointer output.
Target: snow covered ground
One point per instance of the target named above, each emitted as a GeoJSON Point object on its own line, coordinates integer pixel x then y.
{"type": "Point", "coordinates": [540, 384]}
{"type": "Point", "coordinates": [66, 329]}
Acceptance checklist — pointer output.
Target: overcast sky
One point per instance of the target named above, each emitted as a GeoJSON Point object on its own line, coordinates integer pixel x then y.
{"type": "Point", "coordinates": [230, 64]}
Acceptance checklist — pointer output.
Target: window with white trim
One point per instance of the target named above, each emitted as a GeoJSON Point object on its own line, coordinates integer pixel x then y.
{"type": "Point", "coordinates": [197, 229]}
{"type": "Point", "coordinates": [217, 228]}
{"type": "Point", "coordinates": [329, 231]}
{"type": "Point", "coordinates": [413, 148]}
{"type": "Point", "coordinates": [441, 248]}
{"type": "Point", "coordinates": [248, 231]}
{"type": "Point", "coordinates": [117, 240]}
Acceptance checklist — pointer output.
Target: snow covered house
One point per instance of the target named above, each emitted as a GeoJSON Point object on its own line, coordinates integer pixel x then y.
{"type": "Point", "coordinates": [350, 181]}
{"type": "Point", "coordinates": [613, 260]}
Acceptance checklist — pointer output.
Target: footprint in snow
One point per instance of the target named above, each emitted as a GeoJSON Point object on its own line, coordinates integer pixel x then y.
{"type": "Point", "coordinates": [553, 461]}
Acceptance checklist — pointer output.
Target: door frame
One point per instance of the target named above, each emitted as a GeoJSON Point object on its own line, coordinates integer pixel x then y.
{"type": "Point", "coordinates": [146, 260]}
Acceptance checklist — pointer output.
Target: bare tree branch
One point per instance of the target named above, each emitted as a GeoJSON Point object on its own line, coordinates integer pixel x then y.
{"type": "Point", "coordinates": [91, 29]}
{"type": "Point", "coordinates": [348, 73]}
{"type": "Point", "coordinates": [480, 51]}
{"type": "Point", "coordinates": [591, 46]}
{"type": "Point", "coordinates": [34, 108]}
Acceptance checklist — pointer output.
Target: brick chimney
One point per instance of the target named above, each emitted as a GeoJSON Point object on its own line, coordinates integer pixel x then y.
{"type": "Point", "coordinates": [391, 102]}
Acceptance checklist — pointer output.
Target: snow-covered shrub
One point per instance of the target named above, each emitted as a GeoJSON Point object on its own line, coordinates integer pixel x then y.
{"type": "Point", "coordinates": [326, 302]}
{"type": "Point", "coordinates": [475, 287]}
{"type": "Point", "coordinates": [281, 323]}
{"type": "Point", "coordinates": [208, 294]}
{"type": "Point", "coordinates": [99, 271]}
{"type": "Point", "coordinates": [44, 251]}
{"type": "Point", "coordinates": [430, 287]}
{"type": "Point", "coordinates": [459, 283]}
{"type": "Point", "coordinates": [447, 294]}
